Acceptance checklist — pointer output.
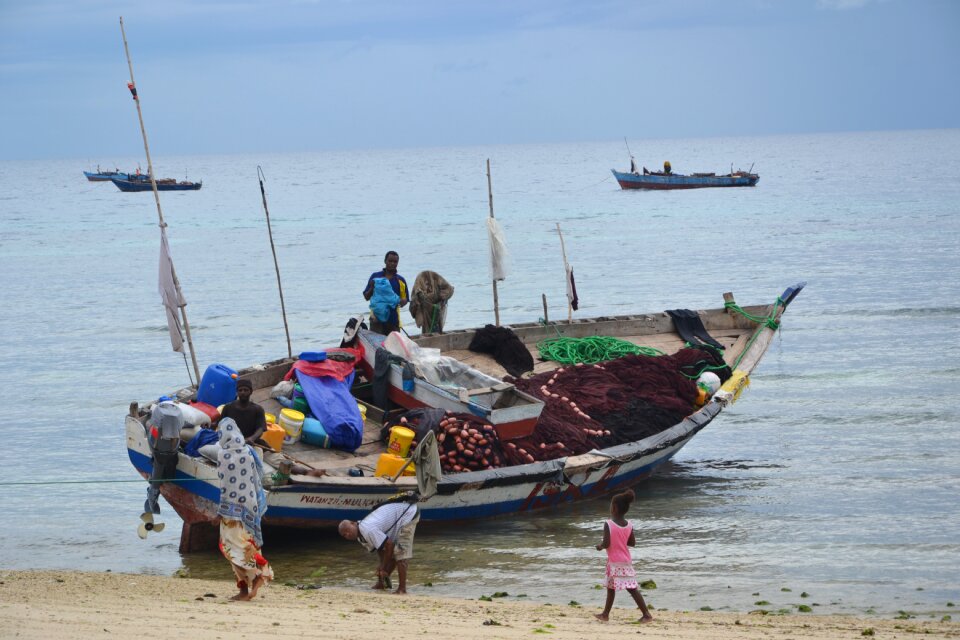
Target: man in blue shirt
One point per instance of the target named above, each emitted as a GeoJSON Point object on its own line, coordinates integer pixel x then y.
{"type": "Point", "coordinates": [399, 286]}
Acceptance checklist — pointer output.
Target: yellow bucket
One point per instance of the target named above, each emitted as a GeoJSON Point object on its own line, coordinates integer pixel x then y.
{"type": "Point", "coordinates": [400, 439]}
{"type": "Point", "coordinates": [292, 422]}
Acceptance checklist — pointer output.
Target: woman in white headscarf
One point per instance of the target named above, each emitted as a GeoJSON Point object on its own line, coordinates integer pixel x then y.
{"type": "Point", "coordinates": [242, 504]}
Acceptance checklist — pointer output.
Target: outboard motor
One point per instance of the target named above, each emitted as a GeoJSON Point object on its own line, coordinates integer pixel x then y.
{"type": "Point", "coordinates": [163, 434]}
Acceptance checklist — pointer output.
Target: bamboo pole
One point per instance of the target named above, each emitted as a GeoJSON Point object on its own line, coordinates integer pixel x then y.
{"type": "Point", "coordinates": [566, 273]}
{"type": "Point", "coordinates": [496, 300]}
{"type": "Point", "coordinates": [156, 197]}
{"type": "Point", "coordinates": [276, 265]}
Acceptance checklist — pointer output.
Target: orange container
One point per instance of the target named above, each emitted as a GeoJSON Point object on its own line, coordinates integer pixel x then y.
{"type": "Point", "coordinates": [273, 436]}
{"type": "Point", "coordinates": [388, 465]}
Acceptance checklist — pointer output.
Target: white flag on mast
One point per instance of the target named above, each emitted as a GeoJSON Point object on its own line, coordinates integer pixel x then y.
{"type": "Point", "coordinates": [498, 250]}
{"type": "Point", "coordinates": [172, 299]}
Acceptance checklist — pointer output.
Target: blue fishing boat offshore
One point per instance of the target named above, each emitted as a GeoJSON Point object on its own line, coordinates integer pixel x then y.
{"type": "Point", "coordinates": [104, 176]}
{"type": "Point", "coordinates": [668, 180]}
{"type": "Point", "coordinates": [142, 183]}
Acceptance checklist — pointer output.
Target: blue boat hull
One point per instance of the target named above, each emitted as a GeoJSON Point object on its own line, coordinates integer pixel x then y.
{"type": "Point", "coordinates": [677, 181]}
{"type": "Point", "coordinates": [462, 497]}
{"type": "Point", "coordinates": [143, 184]}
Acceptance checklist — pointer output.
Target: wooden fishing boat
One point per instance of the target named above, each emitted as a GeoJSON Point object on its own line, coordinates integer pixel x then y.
{"type": "Point", "coordinates": [662, 180]}
{"type": "Point", "coordinates": [105, 176]}
{"type": "Point", "coordinates": [317, 502]}
{"type": "Point", "coordinates": [142, 183]}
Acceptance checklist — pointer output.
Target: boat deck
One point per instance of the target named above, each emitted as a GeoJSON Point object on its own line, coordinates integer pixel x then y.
{"type": "Point", "coordinates": [654, 330]}
{"type": "Point", "coordinates": [333, 461]}
{"type": "Point", "coordinates": [733, 340]}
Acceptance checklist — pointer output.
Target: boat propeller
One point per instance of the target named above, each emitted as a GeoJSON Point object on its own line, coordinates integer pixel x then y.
{"type": "Point", "coordinates": [147, 525]}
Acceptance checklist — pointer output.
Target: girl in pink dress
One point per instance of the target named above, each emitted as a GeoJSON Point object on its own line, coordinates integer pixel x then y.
{"type": "Point", "coordinates": [617, 537]}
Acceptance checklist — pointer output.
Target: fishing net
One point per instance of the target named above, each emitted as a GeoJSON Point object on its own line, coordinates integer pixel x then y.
{"type": "Point", "coordinates": [585, 407]}
{"type": "Point", "coordinates": [694, 360]}
{"type": "Point", "coordinates": [590, 350]}
{"type": "Point", "coordinates": [596, 406]}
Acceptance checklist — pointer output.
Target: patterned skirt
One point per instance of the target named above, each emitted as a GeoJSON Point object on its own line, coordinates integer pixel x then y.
{"type": "Point", "coordinates": [620, 576]}
{"type": "Point", "coordinates": [238, 546]}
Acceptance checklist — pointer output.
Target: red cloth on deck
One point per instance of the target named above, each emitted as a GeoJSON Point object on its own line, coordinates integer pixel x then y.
{"type": "Point", "coordinates": [329, 367]}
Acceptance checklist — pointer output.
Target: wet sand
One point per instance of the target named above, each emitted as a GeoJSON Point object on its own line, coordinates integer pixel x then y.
{"type": "Point", "coordinates": [70, 604]}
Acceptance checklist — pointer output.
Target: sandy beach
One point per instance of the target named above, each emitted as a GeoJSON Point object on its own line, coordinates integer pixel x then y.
{"type": "Point", "coordinates": [68, 604]}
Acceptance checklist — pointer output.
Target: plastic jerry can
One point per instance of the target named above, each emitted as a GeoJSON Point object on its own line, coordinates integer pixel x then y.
{"type": "Point", "coordinates": [218, 385]}
{"type": "Point", "coordinates": [274, 436]}
{"type": "Point", "coordinates": [388, 464]}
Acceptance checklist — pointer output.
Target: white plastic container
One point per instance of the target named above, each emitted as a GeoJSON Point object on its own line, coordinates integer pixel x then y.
{"type": "Point", "coordinates": [291, 421]}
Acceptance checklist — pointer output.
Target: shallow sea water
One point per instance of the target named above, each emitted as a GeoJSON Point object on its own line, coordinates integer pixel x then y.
{"type": "Point", "coordinates": [835, 475]}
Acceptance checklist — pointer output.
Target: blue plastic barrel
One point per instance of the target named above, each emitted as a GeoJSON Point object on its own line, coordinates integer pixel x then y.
{"type": "Point", "coordinates": [218, 385]}
{"type": "Point", "coordinates": [314, 433]}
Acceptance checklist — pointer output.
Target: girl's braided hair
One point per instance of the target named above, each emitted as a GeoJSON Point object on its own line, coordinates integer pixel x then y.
{"type": "Point", "coordinates": [622, 500]}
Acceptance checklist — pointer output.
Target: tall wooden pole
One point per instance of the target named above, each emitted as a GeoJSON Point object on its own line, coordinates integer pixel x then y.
{"type": "Point", "coordinates": [156, 197]}
{"type": "Point", "coordinates": [566, 274]}
{"type": "Point", "coordinates": [276, 265]}
{"type": "Point", "coordinates": [496, 300]}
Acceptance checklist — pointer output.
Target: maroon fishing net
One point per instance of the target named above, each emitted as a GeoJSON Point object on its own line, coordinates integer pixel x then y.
{"type": "Point", "coordinates": [585, 407]}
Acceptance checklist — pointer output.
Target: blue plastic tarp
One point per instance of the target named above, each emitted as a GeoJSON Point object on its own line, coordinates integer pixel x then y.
{"type": "Point", "coordinates": [332, 404]}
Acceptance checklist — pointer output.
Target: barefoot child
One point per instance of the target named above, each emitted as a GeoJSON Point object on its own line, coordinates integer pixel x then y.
{"type": "Point", "coordinates": [617, 536]}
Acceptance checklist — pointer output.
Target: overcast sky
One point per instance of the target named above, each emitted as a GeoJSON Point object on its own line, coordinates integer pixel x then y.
{"type": "Point", "coordinates": [225, 76]}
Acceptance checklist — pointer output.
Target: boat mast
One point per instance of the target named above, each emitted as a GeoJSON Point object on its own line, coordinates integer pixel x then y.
{"type": "Point", "coordinates": [156, 196]}
{"type": "Point", "coordinates": [276, 265]}
{"type": "Point", "coordinates": [496, 301]}
{"type": "Point", "coordinates": [566, 273]}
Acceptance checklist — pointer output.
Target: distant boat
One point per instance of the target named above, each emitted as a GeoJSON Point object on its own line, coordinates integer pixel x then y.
{"type": "Point", "coordinates": [142, 183]}
{"type": "Point", "coordinates": [667, 179]}
{"type": "Point", "coordinates": [661, 180]}
{"type": "Point", "coordinates": [104, 176]}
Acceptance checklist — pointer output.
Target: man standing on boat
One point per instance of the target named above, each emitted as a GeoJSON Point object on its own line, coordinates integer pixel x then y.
{"type": "Point", "coordinates": [389, 531]}
{"type": "Point", "coordinates": [398, 284]}
{"type": "Point", "coordinates": [249, 416]}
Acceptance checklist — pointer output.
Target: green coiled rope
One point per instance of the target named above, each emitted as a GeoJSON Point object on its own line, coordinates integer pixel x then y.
{"type": "Point", "coordinates": [768, 320]}
{"type": "Point", "coordinates": [590, 350]}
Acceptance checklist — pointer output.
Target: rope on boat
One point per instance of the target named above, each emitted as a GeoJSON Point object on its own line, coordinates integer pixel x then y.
{"type": "Point", "coordinates": [768, 321]}
{"type": "Point", "coordinates": [590, 350]}
{"type": "Point", "coordinates": [103, 481]}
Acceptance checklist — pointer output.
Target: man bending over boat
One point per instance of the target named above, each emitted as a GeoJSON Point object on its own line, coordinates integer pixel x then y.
{"type": "Point", "coordinates": [389, 531]}
{"type": "Point", "coordinates": [385, 315]}
{"type": "Point", "coordinates": [249, 416]}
